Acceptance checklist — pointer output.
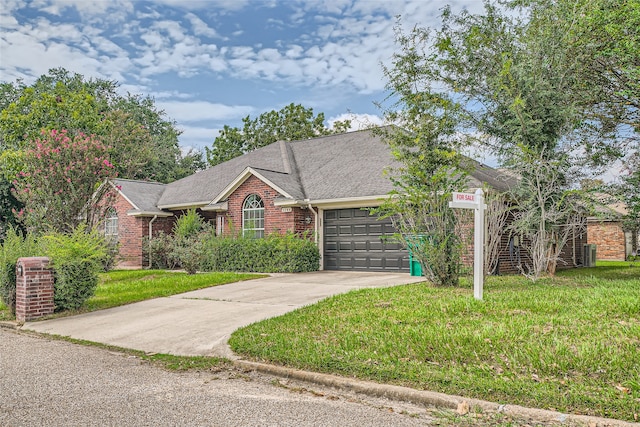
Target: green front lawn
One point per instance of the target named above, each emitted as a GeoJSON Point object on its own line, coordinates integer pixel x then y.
{"type": "Point", "coordinates": [571, 343]}
{"type": "Point", "coordinates": [120, 287]}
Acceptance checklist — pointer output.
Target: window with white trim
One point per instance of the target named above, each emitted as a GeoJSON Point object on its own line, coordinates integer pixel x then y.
{"type": "Point", "coordinates": [111, 225]}
{"type": "Point", "coordinates": [253, 217]}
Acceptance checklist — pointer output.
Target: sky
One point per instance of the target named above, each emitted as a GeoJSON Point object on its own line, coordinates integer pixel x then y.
{"type": "Point", "coordinates": [210, 63]}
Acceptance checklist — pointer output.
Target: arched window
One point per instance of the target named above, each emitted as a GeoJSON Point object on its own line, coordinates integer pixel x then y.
{"type": "Point", "coordinates": [111, 225]}
{"type": "Point", "coordinates": [253, 217]}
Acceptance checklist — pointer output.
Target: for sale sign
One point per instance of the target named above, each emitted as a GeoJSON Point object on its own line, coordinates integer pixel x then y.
{"type": "Point", "coordinates": [474, 201]}
{"type": "Point", "coordinates": [464, 201]}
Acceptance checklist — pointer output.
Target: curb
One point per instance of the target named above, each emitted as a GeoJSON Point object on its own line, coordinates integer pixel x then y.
{"type": "Point", "coordinates": [8, 324]}
{"type": "Point", "coordinates": [427, 398]}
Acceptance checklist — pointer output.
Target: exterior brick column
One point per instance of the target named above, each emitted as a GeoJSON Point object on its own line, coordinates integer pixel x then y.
{"type": "Point", "coordinates": [34, 288]}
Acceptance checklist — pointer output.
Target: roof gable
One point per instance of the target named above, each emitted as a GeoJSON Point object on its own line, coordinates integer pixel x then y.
{"type": "Point", "coordinates": [143, 196]}
{"type": "Point", "coordinates": [262, 175]}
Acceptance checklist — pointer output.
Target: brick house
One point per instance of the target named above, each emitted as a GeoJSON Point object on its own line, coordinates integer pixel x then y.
{"type": "Point", "coordinates": [321, 186]}
{"type": "Point", "coordinates": [613, 242]}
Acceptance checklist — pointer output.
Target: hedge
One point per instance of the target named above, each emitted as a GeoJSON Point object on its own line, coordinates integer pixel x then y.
{"type": "Point", "coordinates": [273, 254]}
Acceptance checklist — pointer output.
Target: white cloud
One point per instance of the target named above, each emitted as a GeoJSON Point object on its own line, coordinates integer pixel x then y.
{"type": "Point", "coordinates": [200, 28]}
{"type": "Point", "coordinates": [197, 137]}
{"type": "Point", "coordinates": [195, 111]}
{"type": "Point", "coordinates": [358, 121]}
{"type": "Point", "coordinates": [220, 5]}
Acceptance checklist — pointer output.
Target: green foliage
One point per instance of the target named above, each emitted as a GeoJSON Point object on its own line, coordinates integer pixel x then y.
{"type": "Point", "coordinates": [15, 246]}
{"type": "Point", "coordinates": [189, 225]}
{"type": "Point", "coordinates": [9, 207]}
{"type": "Point", "coordinates": [274, 254]}
{"type": "Point", "coordinates": [628, 191]}
{"type": "Point", "coordinates": [520, 89]}
{"type": "Point", "coordinates": [206, 252]}
{"type": "Point", "coordinates": [293, 122]}
{"type": "Point", "coordinates": [144, 143]}
{"type": "Point", "coordinates": [159, 249]}
{"type": "Point", "coordinates": [604, 42]}
{"type": "Point", "coordinates": [57, 100]}
{"type": "Point", "coordinates": [76, 258]}
{"type": "Point", "coordinates": [59, 176]}
{"type": "Point", "coordinates": [427, 149]}
{"type": "Point", "coordinates": [186, 248]}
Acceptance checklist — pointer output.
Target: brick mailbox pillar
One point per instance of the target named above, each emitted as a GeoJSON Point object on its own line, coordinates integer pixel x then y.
{"type": "Point", "coordinates": [34, 288]}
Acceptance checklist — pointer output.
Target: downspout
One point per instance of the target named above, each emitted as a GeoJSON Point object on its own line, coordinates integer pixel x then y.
{"type": "Point", "coordinates": [315, 214]}
{"type": "Point", "coordinates": [151, 235]}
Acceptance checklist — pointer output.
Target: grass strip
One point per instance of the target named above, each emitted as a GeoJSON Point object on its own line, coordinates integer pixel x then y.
{"type": "Point", "coordinates": [571, 343]}
{"type": "Point", "coordinates": [167, 361]}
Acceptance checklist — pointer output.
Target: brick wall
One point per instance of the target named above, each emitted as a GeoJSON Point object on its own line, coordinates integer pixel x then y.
{"type": "Point", "coordinates": [132, 230]}
{"type": "Point", "coordinates": [275, 220]}
{"type": "Point", "coordinates": [34, 288]}
{"type": "Point", "coordinates": [609, 239]}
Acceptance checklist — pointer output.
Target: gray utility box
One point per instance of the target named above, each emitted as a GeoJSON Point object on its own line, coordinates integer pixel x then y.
{"type": "Point", "coordinates": [589, 253]}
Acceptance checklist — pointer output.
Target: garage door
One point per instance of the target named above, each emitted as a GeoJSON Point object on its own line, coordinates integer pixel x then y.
{"type": "Point", "coordinates": [355, 240]}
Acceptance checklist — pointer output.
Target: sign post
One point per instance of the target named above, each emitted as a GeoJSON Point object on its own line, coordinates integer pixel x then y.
{"type": "Point", "coordinates": [476, 202]}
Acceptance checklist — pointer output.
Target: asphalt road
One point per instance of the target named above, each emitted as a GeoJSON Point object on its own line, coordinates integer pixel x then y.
{"type": "Point", "coordinates": [46, 382]}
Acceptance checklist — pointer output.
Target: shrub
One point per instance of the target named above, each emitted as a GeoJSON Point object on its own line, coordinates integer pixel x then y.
{"type": "Point", "coordinates": [76, 258]}
{"type": "Point", "coordinates": [274, 254]}
{"type": "Point", "coordinates": [187, 252]}
{"type": "Point", "coordinates": [159, 249]}
{"type": "Point", "coordinates": [189, 225]}
{"type": "Point", "coordinates": [14, 246]}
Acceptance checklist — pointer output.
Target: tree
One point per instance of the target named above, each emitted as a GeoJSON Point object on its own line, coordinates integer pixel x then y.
{"type": "Point", "coordinates": [58, 100]}
{"type": "Point", "coordinates": [628, 191]}
{"type": "Point", "coordinates": [603, 40]}
{"type": "Point", "coordinates": [293, 122]}
{"type": "Point", "coordinates": [547, 213]}
{"type": "Point", "coordinates": [58, 183]}
{"type": "Point", "coordinates": [9, 206]}
{"type": "Point", "coordinates": [427, 148]}
{"type": "Point", "coordinates": [520, 90]}
{"type": "Point", "coordinates": [64, 100]}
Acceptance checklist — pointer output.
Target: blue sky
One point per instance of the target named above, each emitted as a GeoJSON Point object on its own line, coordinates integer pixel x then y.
{"type": "Point", "coordinates": [211, 63]}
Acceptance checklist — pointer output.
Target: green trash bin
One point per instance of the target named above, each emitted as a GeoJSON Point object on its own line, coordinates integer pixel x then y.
{"type": "Point", "coordinates": [414, 266]}
{"type": "Point", "coordinates": [415, 269]}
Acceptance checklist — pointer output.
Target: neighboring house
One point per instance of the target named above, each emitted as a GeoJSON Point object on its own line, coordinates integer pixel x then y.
{"type": "Point", "coordinates": [321, 186]}
{"type": "Point", "coordinates": [612, 241]}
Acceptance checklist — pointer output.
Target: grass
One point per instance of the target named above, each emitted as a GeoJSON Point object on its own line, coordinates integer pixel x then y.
{"type": "Point", "coordinates": [571, 343]}
{"type": "Point", "coordinates": [166, 361]}
{"type": "Point", "coordinates": [120, 287]}
{"type": "Point", "coordinates": [5, 314]}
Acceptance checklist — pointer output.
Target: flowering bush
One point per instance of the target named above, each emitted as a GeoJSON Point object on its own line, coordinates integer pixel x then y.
{"type": "Point", "coordinates": [60, 175]}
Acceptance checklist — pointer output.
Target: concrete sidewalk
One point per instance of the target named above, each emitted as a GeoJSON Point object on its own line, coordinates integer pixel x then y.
{"type": "Point", "coordinates": [199, 323]}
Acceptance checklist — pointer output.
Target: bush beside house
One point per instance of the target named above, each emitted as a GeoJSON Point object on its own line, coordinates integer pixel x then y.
{"type": "Point", "coordinates": [194, 246]}
{"type": "Point", "coordinates": [76, 259]}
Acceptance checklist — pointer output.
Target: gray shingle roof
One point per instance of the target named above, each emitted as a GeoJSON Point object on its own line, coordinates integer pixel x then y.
{"type": "Point", "coordinates": [202, 187]}
{"type": "Point", "coordinates": [339, 166]}
{"type": "Point", "coordinates": [144, 195]}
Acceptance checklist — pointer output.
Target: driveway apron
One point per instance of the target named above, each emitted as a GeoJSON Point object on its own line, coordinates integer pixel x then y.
{"type": "Point", "coordinates": [199, 323]}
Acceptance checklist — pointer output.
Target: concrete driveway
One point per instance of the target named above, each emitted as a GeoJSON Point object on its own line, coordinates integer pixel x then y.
{"type": "Point", "coordinates": [200, 322]}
